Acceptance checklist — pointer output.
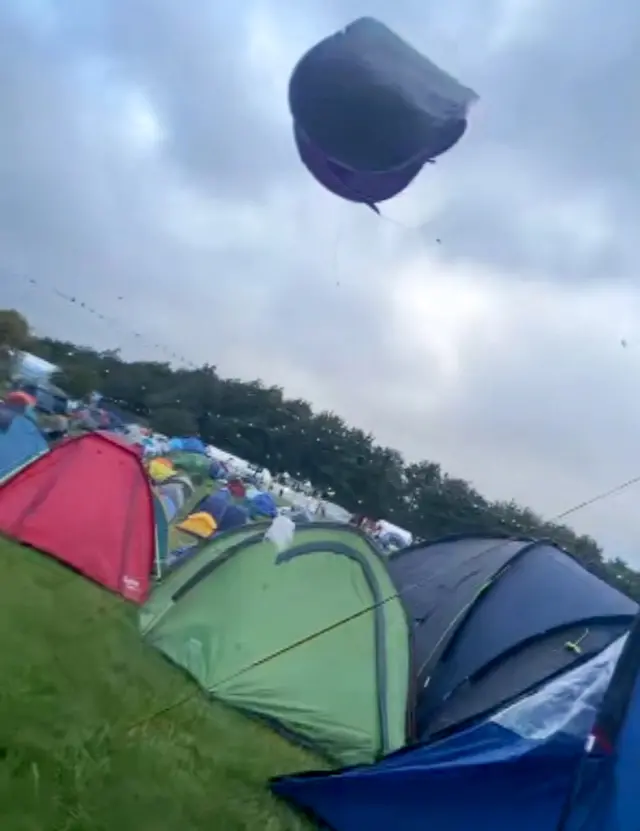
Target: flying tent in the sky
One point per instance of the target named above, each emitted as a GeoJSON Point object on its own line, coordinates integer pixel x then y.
{"type": "Point", "coordinates": [369, 112]}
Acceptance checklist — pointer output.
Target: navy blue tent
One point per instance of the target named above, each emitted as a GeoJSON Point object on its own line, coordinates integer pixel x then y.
{"type": "Point", "coordinates": [565, 759]}
{"type": "Point", "coordinates": [20, 441]}
{"type": "Point", "coordinates": [215, 504]}
{"type": "Point", "coordinates": [262, 504]}
{"type": "Point", "coordinates": [222, 508]}
{"type": "Point", "coordinates": [506, 635]}
{"type": "Point", "coordinates": [234, 517]}
{"type": "Point", "coordinates": [493, 619]}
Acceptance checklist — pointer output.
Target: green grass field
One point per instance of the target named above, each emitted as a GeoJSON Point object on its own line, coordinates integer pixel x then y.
{"type": "Point", "coordinates": [80, 749]}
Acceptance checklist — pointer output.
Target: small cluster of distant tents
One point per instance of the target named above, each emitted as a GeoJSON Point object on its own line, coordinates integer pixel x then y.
{"type": "Point", "coordinates": [231, 505]}
{"type": "Point", "coordinates": [469, 665]}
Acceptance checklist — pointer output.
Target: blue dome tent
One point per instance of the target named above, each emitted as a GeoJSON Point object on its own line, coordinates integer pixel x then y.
{"type": "Point", "coordinates": [21, 441]}
{"type": "Point", "coordinates": [262, 504]}
{"type": "Point", "coordinates": [564, 759]}
{"type": "Point", "coordinates": [220, 506]}
{"type": "Point", "coordinates": [513, 645]}
{"type": "Point", "coordinates": [493, 619]}
{"type": "Point", "coordinates": [190, 444]}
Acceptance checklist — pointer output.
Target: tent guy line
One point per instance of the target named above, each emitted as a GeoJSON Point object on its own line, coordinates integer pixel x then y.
{"type": "Point", "coordinates": [372, 607]}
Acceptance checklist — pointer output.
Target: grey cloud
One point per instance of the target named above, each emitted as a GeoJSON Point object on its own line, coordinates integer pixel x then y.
{"type": "Point", "coordinates": [558, 109]}
{"type": "Point", "coordinates": [193, 65]}
{"type": "Point", "coordinates": [254, 286]}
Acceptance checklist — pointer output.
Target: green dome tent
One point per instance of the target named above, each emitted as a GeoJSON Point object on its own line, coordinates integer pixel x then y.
{"type": "Point", "coordinates": [329, 666]}
{"type": "Point", "coordinates": [191, 463]}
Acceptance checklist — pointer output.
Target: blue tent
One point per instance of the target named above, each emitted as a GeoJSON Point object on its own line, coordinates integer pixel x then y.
{"type": "Point", "coordinates": [566, 758]}
{"type": "Point", "coordinates": [604, 795]}
{"type": "Point", "coordinates": [513, 648]}
{"type": "Point", "coordinates": [215, 503]}
{"type": "Point", "coordinates": [190, 444]}
{"type": "Point", "coordinates": [20, 441]}
{"type": "Point", "coordinates": [262, 504]}
{"type": "Point", "coordinates": [217, 470]}
{"type": "Point", "coordinates": [234, 517]}
{"type": "Point", "coordinates": [221, 507]}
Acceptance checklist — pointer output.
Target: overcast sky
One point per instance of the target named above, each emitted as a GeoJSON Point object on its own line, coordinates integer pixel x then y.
{"type": "Point", "coordinates": [147, 168]}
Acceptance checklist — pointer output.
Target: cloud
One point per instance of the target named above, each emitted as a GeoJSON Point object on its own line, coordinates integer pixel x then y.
{"type": "Point", "coordinates": [147, 168]}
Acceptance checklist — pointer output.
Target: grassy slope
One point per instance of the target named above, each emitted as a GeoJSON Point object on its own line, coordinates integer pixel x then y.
{"type": "Point", "coordinates": [77, 748]}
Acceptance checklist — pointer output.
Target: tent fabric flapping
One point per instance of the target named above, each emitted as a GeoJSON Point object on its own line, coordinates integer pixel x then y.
{"type": "Point", "coordinates": [89, 503]}
{"type": "Point", "coordinates": [21, 441]}
{"type": "Point", "coordinates": [603, 796]}
{"type": "Point", "coordinates": [369, 112]}
{"type": "Point", "coordinates": [563, 759]}
{"type": "Point", "coordinates": [358, 654]}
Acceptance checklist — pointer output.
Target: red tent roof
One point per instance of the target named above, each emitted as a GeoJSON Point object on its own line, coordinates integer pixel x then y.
{"type": "Point", "coordinates": [89, 504]}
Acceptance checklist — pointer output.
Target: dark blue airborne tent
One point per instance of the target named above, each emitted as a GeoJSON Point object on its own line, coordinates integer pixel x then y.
{"type": "Point", "coordinates": [513, 644]}
{"type": "Point", "coordinates": [21, 441]}
{"type": "Point", "coordinates": [369, 112]}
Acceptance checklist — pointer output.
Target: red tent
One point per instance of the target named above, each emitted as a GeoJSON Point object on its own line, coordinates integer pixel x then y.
{"type": "Point", "coordinates": [88, 503]}
{"type": "Point", "coordinates": [237, 488]}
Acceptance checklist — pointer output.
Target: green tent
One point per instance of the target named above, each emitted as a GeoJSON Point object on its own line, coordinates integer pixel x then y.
{"type": "Point", "coordinates": [191, 463]}
{"type": "Point", "coordinates": [313, 639]}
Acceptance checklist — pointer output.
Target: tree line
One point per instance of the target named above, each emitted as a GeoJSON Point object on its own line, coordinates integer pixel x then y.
{"type": "Point", "coordinates": [257, 422]}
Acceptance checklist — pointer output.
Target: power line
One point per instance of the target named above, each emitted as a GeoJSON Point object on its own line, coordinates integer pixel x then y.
{"type": "Point", "coordinates": [88, 308]}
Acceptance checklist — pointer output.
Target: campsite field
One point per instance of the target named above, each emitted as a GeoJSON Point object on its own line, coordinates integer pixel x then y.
{"type": "Point", "coordinates": [79, 746]}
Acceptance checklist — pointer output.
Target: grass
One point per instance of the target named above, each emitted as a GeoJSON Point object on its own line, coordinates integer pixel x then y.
{"type": "Point", "coordinates": [79, 748]}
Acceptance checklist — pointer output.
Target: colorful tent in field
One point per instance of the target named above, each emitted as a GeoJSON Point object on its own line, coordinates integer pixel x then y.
{"type": "Point", "coordinates": [174, 493]}
{"type": "Point", "coordinates": [89, 503]}
{"type": "Point", "coordinates": [566, 758]}
{"type": "Point", "coordinates": [21, 441]}
{"type": "Point", "coordinates": [191, 463]}
{"type": "Point", "coordinates": [224, 511]}
{"type": "Point", "coordinates": [201, 525]}
{"type": "Point", "coordinates": [161, 469]}
{"type": "Point", "coordinates": [262, 504]}
{"type": "Point", "coordinates": [190, 444]}
{"type": "Point", "coordinates": [215, 513]}
{"type": "Point", "coordinates": [359, 655]}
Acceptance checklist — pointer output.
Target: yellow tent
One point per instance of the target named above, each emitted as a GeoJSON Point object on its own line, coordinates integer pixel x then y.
{"type": "Point", "coordinates": [160, 469]}
{"type": "Point", "coordinates": [201, 525]}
